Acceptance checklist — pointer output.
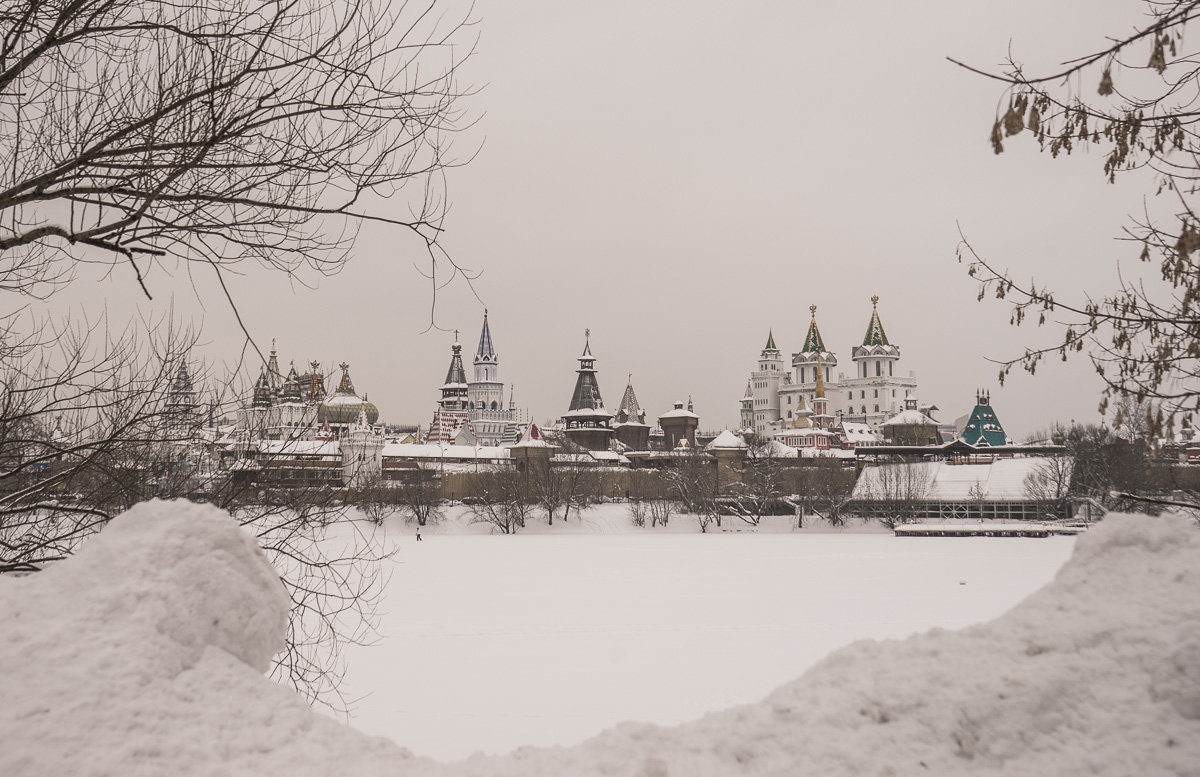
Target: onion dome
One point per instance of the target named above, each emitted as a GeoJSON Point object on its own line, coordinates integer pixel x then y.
{"type": "Point", "coordinates": [344, 406]}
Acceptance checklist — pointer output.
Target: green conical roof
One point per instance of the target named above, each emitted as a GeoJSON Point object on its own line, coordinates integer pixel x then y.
{"type": "Point", "coordinates": [813, 341]}
{"type": "Point", "coordinates": [770, 341]}
{"type": "Point", "coordinates": [875, 334]}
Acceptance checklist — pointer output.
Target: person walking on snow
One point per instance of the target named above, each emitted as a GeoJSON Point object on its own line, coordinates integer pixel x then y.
{"type": "Point", "coordinates": [418, 534]}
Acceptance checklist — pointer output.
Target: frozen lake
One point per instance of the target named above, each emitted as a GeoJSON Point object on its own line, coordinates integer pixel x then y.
{"type": "Point", "coordinates": [492, 642]}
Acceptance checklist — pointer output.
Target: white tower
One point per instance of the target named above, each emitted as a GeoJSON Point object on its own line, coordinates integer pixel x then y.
{"type": "Point", "coordinates": [877, 390]}
{"type": "Point", "coordinates": [362, 453]}
{"type": "Point", "coordinates": [486, 391]}
{"type": "Point", "coordinates": [764, 386]}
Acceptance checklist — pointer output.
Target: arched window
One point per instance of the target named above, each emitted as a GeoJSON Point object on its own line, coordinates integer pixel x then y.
{"type": "Point", "coordinates": [890, 366]}
{"type": "Point", "coordinates": [802, 375]}
{"type": "Point", "coordinates": [877, 408]}
{"type": "Point", "coordinates": [878, 369]}
{"type": "Point", "coordinates": [494, 405]}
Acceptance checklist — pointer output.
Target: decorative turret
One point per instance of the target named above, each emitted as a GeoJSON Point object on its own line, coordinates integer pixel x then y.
{"type": "Point", "coordinates": [586, 422]}
{"type": "Point", "coordinates": [814, 351]}
{"type": "Point", "coordinates": [181, 399]}
{"type": "Point", "coordinates": [876, 357]}
{"type": "Point", "coordinates": [770, 359]}
{"type": "Point", "coordinates": [679, 427]}
{"type": "Point", "coordinates": [312, 384]}
{"type": "Point", "coordinates": [485, 391]}
{"type": "Point", "coordinates": [454, 388]}
{"type": "Point", "coordinates": [291, 386]}
{"type": "Point", "coordinates": [273, 375]}
{"type": "Point", "coordinates": [362, 449]}
{"type": "Point", "coordinates": [632, 430]}
{"type": "Point", "coordinates": [746, 411]}
{"type": "Point", "coordinates": [262, 390]}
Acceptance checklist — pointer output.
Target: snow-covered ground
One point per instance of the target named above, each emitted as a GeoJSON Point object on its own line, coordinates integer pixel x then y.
{"type": "Point", "coordinates": [492, 642]}
{"type": "Point", "coordinates": [144, 655]}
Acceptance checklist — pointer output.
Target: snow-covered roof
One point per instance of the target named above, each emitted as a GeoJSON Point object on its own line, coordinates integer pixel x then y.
{"type": "Point", "coordinates": [856, 432]}
{"type": "Point", "coordinates": [1001, 480]}
{"type": "Point", "coordinates": [826, 453]}
{"type": "Point", "coordinates": [909, 418]}
{"type": "Point", "coordinates": [443, 452]}
{"type": "Point", "coordinates": [726, 440]}
{"type": "Point", "coordinates": [587, 412]}
{"type": "Point", "coordinates": [299, 448]}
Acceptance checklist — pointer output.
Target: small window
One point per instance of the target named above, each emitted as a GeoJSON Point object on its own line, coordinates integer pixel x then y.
{"type": "Point", "coordinates": [877, 408]}
{"type": "Point", "coordinates": [878, 369]}
{"type": "Point", "coordinates": [877, 393]}
{"type": "Point", "coordinates": [890, 365]}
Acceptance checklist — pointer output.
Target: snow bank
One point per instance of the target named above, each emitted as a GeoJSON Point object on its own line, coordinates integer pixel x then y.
{"type": "Point", "coordinates": [143, 655]}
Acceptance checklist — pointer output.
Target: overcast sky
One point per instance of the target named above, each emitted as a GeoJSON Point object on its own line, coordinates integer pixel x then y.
{"type": "Point", "coordinates": [680, 177]}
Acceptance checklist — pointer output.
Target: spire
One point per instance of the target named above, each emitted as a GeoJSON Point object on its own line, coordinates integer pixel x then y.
{"type": "Point", "coordinates": [345, 385]}
{"type": "Point", "coordinates": [315, 383]}
{"type": "Point", "coordinates": [456, 374]}
{"type": "Point", "coordinates": [273, 375]}
{"type": "Point", "coordinates": [749, 392]}
{"type": "Point", "coordinates": [875, 334]}
{"type": "Point", "coordinates": [587, 391]}
{"type": "Point", "coordinates": [291, 386]}
{"type": "Point", "coordinates": [770, 346]}
{"type": "Point", "coordinates": [486, 351]}
{"type": "Point", "coordinates": [630, 410]}
{"type": "Point", "coordinates": [813, 341]}
{"type": "Point", "coordinates": [262, 390]}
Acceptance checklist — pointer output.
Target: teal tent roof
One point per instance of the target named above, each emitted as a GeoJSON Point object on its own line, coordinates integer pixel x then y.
{"type": "Point", "coordinates": [984, 427]}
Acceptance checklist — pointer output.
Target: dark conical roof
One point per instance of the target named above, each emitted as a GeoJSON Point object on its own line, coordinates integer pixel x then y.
{"type": "Point", "coordinates": [875, 334]}
{"type": "Point", "coordinates": [813, 341]}
{"type": "Point", "coordinates": [630, 410]}
{"type": "Point", "coordinates": [770, 346]}
{"type": "Point", "coordinates": [587, 391]}
{"type": "Point", "coordinates": [262, 390]}
{"type": "Point", "coordinates": [486, 351]}
{"type": "Point", "coordinates": [456, 374]}
{"type": "Point", "coordinates": [291, 386]}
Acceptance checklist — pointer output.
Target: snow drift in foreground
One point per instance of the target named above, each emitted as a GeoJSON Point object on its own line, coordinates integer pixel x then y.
{"type": "Point", "coordinates": [144, 654]}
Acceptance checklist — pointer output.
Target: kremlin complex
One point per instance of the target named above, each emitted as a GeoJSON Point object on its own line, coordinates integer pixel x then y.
{"type": "Point", "coordinates": [293, 429]}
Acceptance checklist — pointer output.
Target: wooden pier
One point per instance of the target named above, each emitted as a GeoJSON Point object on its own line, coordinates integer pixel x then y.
{"type": "Point", "coordinates": [987, 529]}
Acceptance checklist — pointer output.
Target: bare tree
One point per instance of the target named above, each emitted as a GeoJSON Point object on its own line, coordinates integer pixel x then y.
{"type": "Point", "coordinates": [1050, 483]}
{"type": "Point", "coordinates": [760, 488]}
{"type": "Point", "coordinates": [894, 493]}
{"type": "Point", "coordinates": [421, 498]}
{"type": "Point", "coordinates": [84, 419]}
{"type": "Point", "coordinates": [823, 487]}
{"type": "Point", "coordinates": [502, 499]}
{"type": "Point", "coordinates": [153, 132]}
{"type": "Point", "coordinates": [155, 135]}
{"type": "Point", "coordinates": [1132, 99]}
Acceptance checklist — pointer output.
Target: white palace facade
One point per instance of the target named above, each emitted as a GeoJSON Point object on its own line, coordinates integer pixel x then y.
{"type": "Point", "coordinates": [778, 398]}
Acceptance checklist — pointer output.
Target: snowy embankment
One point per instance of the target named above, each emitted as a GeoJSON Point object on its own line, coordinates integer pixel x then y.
{"type": "Point", "coordinates": [144, 654]}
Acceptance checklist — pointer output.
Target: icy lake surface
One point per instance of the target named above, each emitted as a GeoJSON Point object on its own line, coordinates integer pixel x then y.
{"type": "Point", "coordinates": [493, 642]}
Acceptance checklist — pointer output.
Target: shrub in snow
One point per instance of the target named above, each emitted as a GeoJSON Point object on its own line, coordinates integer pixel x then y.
{"type": "Point", "coordinates": [144, 655]}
